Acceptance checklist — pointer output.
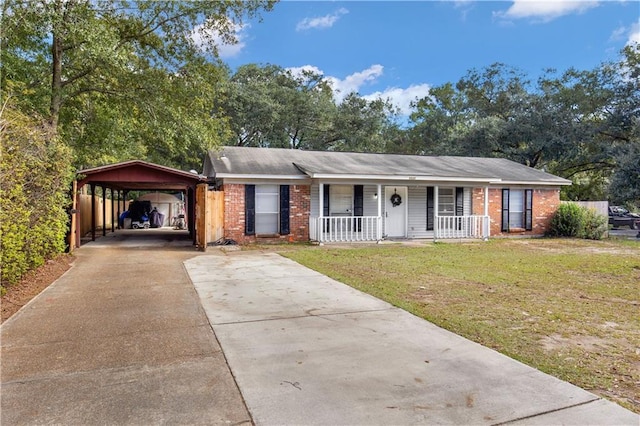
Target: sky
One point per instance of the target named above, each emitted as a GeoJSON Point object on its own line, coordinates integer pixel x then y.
{"type": "Point", "coordinates": [397, 50]}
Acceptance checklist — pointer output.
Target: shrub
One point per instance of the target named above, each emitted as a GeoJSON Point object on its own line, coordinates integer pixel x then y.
{"type": "Point", "coordinates": [35, 174]}
{"type": "Point", "coordinates": [595, 225]}
{"type": "Point", "coordinates": [568, 221]}
{"type": "Point", "coordinates": [572, 220]}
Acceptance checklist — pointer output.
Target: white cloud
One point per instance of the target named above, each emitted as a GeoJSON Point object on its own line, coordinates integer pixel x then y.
{"type": "Point", "coordinates": [353, 82]}
{"type": "Point", "coordinates": [356, 82]}
{"type": "Point", "coordinates": [634, 34]}
{"type": "Point", "coordinates": [544, 11]}
{"type": "Point", "coordinates": [204, 37]}
{"type": "Point", "coordinates": [401, 98]}
{"type": "Point", "coordinates": [326, 21]}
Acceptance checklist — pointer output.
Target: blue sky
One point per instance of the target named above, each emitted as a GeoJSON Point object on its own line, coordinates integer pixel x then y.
{"type": "Point", "coordinates": [398, 50]}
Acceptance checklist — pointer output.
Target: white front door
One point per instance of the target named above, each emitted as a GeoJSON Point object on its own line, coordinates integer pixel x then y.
{"type": "Point", "coordinates": [395, 211]}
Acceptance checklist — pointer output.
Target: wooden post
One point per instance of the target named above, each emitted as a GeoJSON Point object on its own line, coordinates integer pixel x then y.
{"type": "Point", "coordinates": [93, 212]}
{"type": "Point", "coordinates": [74, 220]}
{"type": "Point", "coordinates": [113, 223]}
{"type": "Point", "coordinates": [104, 211]}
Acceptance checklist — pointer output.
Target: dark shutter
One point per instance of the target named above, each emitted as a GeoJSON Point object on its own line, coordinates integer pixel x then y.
{"type": "Point", "coordinates": [430, 208]}
{"type": "Point", "coordinates": [459, 201]}
{"type": "Point", "coordinates": [284, 210]}
{"type": "Point", "coordinates": [358, 205]}
{"type": "Point", "coordinates": [249, 209]}
{"type": "Point", "coordinates": [505, 210]}
{"type": "Point", "coordinates": [528, 209]}
{"type": "Point", "coordinates": [459, 206]}
{"type": "Point", "coordinates": [325, 208]}
{"type": "Point", "coordinates": [325, 201]}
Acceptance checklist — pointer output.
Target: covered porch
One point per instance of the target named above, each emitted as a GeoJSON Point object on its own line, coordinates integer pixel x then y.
{"type": "Point", "coordinates": [374, 212]}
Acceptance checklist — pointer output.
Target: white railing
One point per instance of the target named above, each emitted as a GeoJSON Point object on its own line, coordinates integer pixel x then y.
{"type": "Point", "coordinates": [345, 228]}
{"type": "Point", "coordinates": [461, 227]}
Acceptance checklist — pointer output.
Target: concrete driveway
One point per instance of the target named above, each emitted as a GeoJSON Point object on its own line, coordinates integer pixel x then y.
{"type": "Point", "coordinates": [121, 338]}
{"type": "Point", "coordinates": [306, 349]}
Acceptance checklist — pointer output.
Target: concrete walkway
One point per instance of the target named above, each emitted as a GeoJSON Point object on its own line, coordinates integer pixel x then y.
{"type": "Point", "coordinates": [306, 349]}
{"type": "Point", "coordinates": [121, 338]}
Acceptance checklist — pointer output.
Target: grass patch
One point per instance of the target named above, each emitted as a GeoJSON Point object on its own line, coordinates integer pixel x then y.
{"type": "Point", "coordinates": [570, 308]}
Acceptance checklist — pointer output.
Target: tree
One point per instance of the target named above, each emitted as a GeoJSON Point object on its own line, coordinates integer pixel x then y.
{"type": "Point", "coordinates": [63, 56]}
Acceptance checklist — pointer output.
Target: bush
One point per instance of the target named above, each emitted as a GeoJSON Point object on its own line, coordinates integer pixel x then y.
{"type": "Point", "coordinates": [595, 225]}
{"type": "Point", "coordinates": [35, 176]}
{"type": "Point", "coordinates": [572, 220]}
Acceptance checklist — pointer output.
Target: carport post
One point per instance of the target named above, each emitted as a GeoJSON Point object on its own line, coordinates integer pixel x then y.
{"type": "Point", "coordinates": [113, 224]}
{"type": "Point", "coordinates": [104, 211]}
{"type": "Point", "coordinates": [93, 211]}
{"type": "Point", "coordinates": [118, 192]}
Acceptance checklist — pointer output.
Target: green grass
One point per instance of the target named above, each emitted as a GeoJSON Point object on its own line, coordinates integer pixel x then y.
{"type": "Point", "coordinates": [568, 307]}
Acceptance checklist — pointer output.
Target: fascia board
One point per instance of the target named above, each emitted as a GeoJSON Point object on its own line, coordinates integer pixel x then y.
{"type": "Point", "coordinates": [259, 177]}
{"type": "Point", "coordinates": [563, 182]}
{"type": "Point", "coordinates": [405, 178]}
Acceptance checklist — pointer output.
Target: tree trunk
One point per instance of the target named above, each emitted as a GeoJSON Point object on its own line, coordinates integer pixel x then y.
{"type": "Point", "coordinates": [56, 83]}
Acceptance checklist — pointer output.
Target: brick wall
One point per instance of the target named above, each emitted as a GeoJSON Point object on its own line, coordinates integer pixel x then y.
{"type": "Point", "coordinates": [299, 211]}
{"type": "Point", "coordinates": [545, 204]}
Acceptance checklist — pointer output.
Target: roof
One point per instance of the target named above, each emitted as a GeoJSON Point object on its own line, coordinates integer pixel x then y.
{"type": "Point", "coordinates": [138, 175]}
{"type": "Point", "coordinates": [246, 162]}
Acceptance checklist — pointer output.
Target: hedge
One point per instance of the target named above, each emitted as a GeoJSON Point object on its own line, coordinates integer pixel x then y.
{"type": "Point", "coordinates": [35, 176]}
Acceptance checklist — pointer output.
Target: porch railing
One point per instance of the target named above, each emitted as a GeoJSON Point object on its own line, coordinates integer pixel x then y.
{"type": "Point", "coordinates": [461, 227]}
{"type": "Point", "coordinates": [345, 228]}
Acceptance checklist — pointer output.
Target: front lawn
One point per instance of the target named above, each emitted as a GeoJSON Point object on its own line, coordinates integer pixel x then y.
{"type": "Point", "coordinates": [570, 308]}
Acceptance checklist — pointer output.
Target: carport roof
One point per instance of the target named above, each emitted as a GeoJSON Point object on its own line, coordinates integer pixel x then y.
{"type": "Point", "coordinates": [138, 175]}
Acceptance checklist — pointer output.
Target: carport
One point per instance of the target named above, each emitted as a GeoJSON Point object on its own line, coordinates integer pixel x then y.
{"type": "Point", "coordinates": [136, 175]}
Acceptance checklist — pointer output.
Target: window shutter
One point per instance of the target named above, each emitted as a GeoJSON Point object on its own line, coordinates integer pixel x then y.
{"type": "Point", "coordinates": [284, 210]}
{"type": "Point", "coordinates": [430, 206]}
{"type": "Point", "coordinates": [528, 209]}
{"type": "Point", "coordinates": [505, 210]}
{"type": "Point", "coordinates": [325, 201]}
{"type": "Point", "coordinates": [249, 209]}
{"type": "Point", "coordinates": [358, 200]}
{"type": "Point", "coordinates": [459, 201]}
{"type": "Point", "coordinates": [358, 205]}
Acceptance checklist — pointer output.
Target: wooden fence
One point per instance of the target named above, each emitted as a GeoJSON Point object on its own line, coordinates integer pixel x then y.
{"type": "Point", "coordinates": [209, 216]}
{"type": "Point", "coordinates": [84, 205]}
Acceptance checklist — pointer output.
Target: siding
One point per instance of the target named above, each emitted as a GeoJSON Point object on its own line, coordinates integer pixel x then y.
{"type": "Point", "coordinates": [417, 220]}
{"type": "Point", "coordinates": [315, 202]}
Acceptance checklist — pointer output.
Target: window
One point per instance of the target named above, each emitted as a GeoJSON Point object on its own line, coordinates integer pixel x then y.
{"type": "Point", "coordinates": [517, 206]}
{"type": "Point", "coordinates": [446, 202]}
{"type": "Point", "coordinates": [267, 209]}
{"type": "Point", "coordinates": [341, 202]}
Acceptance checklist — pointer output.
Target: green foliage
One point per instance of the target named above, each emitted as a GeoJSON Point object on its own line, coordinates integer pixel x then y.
{"type": "Point", "coordinates": [568, 221]}
{"type": "Point", "coordinates": [122, 79]}
{"type": "Point", "coordinates": [35, 175]}
{"type": "Point", "coordinates": [269, 106]}
{"type": "Point", "coordinates": [595, 225]}
{"type": "Point", "coordinates": [573, 220]}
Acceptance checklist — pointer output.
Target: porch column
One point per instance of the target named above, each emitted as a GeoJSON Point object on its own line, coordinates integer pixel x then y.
{"type": "Point", "coordinates": [321, 200]}
{"type": "Point", "coordinates": [487, 221]}
{"type": "Point", "coordinates": [379, 220]}
{"type": "Point", "coordinates": [435, 211]}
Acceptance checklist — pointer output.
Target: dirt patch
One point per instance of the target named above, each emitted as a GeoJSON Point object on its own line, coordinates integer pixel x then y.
{"type": "Point", "coordinates": [32, 284]}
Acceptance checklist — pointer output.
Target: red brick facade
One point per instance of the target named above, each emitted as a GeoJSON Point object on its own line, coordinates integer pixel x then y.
{"type": "Point", "coordinates": [234, 217]}
{"type": "Point", "coordinates": [545, 204]}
